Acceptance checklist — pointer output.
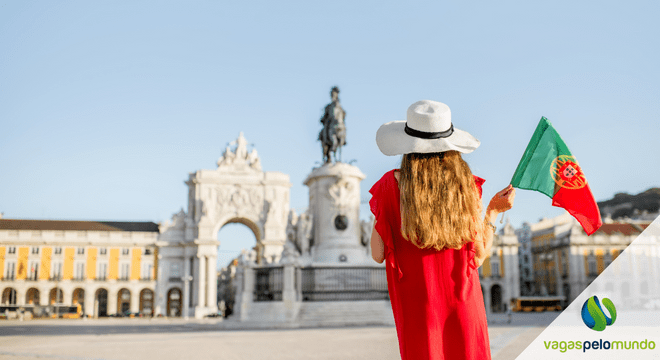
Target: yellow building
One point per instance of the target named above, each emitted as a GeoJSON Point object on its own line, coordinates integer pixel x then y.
{"type": "Point", "coordinates": [107, 267]}
{"type": "Point", "coordinates": [565, 260]}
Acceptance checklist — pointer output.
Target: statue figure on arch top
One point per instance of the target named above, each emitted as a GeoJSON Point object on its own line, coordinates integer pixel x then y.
{"type": "Point", "coordinates": [239, 156]}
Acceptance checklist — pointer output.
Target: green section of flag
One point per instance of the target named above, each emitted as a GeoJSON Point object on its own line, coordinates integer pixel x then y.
{"type": "Point", "coordinates": [534, 169]}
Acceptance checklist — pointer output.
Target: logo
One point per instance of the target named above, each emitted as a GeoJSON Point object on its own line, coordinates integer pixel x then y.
{"type": "Point", "coordinates": [567, 173]}
{"type": "Point", "coordinates": [594, 316]}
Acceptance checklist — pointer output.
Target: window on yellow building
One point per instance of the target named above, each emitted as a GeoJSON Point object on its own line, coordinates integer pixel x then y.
{"type": "Point", "coordinates": [103, 271]}
{"type": "Point", "coordinates": [80, 271]}
{"type": "Point", "coordinates": [124, 251]}
{"type": "Point", "coordinates": [35, 250]}
{"type": "Point", "coordinates": [81, 251]}
{"type": "Point", "coordinates": [495, 265]}
{"type": "Point", "coordinates": [57, 251]}
{"type": "Point", "coordinates": [147, 269]}
{"type": "Point", "coordinates": [125, 271]}
{"type": "Point", "coordinates": [103, 251]}
{"type": "Point", "coordinates": [11, 250]}
{"type": "Point", "coordinates": [10, 270]}
{"type": "Point", "coordinates": [34, 271]}
{"type": "Point", "coordinates": [57, 270]}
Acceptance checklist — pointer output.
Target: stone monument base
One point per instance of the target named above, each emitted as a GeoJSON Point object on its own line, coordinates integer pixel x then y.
{"type": "Point", "coordinates": [334, 202]}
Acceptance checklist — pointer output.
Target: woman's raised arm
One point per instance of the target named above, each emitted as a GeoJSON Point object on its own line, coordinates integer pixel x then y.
{"type": "Point", "coordinates": [501, 202]}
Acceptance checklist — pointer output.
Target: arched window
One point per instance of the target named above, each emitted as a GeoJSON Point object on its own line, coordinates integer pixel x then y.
{"type": "Point", "coordinates": [147, 302]}
{"type": "Point", "coordinates": [101, 302]}
{"type": "Point", "coordinates": [123, 302]}
{"type": "Point", "coordinates": [174, 302]}
{"type": "Point", "coordinates": [56, 296]}
{"type": "Point", "coordinates": [496, 304]}
{"type": "Point", "coordinates": [32, 297]}
{"type": "Point", "coordinates": [9, 296]}
{"type": "Point", "coordinates": [78, 296]}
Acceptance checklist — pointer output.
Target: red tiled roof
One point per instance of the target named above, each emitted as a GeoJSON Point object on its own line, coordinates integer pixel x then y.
{"type": "Point", "coordinates": [621, 228]}
{"type": "Point", "coordinates": [11, 224]}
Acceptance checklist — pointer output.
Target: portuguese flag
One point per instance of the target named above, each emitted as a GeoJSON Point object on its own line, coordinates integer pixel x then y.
{"type": "Point", "coordinates": [549, 167]}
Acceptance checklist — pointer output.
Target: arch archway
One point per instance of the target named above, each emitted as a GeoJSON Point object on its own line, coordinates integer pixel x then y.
{"type": "Point", "coordinates": [174, 302]}
{"type": "Point", "coordinates": [101, 302]}
{"type": "Point", "coordinates": [147, 302]}
{"type": "Point", "coordinates": [496, 299]}
{"type": "Point", "coordinates": [78, 297]}
{"type": "Point", "coordinates": [238, 191]}
{"type": "Point", "coordinates": [234, 236]}
{"type": "Point", "coordinates": [123, 301]}
{"type": "Point", "coordinates": [32, 296]}
{"type": "Point", "coordinates": [9, 296]}
{"type": "Point", "coordinates": [56, 296]}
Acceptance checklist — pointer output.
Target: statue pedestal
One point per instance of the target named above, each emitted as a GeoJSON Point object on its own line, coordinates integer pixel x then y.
{"type": "Point", "coordinates": [334, 201]}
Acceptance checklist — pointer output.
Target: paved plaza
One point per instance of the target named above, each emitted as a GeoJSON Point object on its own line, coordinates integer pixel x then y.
{"type": "Point", "coordinates": [212, 339]}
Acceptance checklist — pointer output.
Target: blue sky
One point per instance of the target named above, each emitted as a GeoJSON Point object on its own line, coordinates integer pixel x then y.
{"type": "Point", "coordinates": [105, 107]}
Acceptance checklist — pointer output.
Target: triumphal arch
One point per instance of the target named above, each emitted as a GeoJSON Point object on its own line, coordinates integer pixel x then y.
{"type": "Point", "coordinates": [237, 191]}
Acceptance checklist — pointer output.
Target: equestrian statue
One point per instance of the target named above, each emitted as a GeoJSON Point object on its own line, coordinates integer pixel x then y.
{"type": "Point", "coordinates": [333, 134]}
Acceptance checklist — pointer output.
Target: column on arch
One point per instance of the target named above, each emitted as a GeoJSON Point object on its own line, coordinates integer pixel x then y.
{"type": "Point", "coordinates": [20, 295]}
{"type": "Point", "coordinates": [486, 293]}
{"type": "Point", "coordinates": [186, 286]}
{"type": "Point", "coordinates": [201, 287]}
{"type": "Point", "coordinates": [194, 284]}
{"type": "Point", "coordinates": [44, 295]}
{"type": "Point", "coordinates": [212, 280]}
{"type": "Point", "coordinates": [136, 291]}
{"type": "Point", "coordinates": [89, 302]}
{"type": "Point", "coordinates": [112, 301]}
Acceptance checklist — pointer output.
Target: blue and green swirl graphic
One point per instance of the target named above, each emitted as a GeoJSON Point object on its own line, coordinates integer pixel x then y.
{"type": "Point", "coordinates": [593, 315]}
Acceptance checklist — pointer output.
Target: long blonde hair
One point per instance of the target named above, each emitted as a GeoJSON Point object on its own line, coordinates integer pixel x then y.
{"type": "Point", "coordinates": [440, 205]}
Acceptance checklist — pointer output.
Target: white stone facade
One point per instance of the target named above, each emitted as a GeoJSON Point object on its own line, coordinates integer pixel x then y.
{"type": "Point", "coordinates": [238, 191]}
{"type": "Point", "coordinates": [499, 274]}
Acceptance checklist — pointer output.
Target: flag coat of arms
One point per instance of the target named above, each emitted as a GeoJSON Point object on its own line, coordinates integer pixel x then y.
{"type": "Point", "coordinates": [549, 167]}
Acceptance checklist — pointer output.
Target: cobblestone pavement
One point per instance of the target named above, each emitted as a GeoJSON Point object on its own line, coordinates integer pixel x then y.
{"type": "Point", "coordinates": [179, 339]}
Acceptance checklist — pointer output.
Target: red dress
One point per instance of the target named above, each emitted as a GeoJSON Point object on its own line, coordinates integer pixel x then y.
{"type": "Point", "coordinates": [436, 295]}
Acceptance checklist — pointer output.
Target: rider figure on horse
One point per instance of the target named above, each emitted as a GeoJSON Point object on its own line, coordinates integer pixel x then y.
{"type": "Point", "coordinates": [333, 134]}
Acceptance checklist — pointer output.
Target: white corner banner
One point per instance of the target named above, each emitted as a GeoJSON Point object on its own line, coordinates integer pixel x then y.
{"type": "Point", "coordinates": [617, 316]}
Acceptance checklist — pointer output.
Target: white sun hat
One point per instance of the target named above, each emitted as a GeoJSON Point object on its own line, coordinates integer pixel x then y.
{"type": "Point", "coordinates": [428, 129]}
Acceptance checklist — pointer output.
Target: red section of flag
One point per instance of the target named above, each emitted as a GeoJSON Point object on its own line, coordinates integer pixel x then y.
{"type": "Point", "coordinates": [581, 204]}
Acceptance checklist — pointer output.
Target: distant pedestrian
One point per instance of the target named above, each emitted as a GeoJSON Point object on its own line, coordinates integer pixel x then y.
{"type": "Point", "coordinates": [429, 233]}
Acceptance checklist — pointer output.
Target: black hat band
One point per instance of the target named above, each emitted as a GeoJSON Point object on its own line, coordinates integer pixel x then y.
{"type": "Point", "coordinates": [429, 135]}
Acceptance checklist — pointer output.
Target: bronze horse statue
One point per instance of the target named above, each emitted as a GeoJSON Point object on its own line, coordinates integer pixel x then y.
{"type": "Point", "coordinates": [333, 134]}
